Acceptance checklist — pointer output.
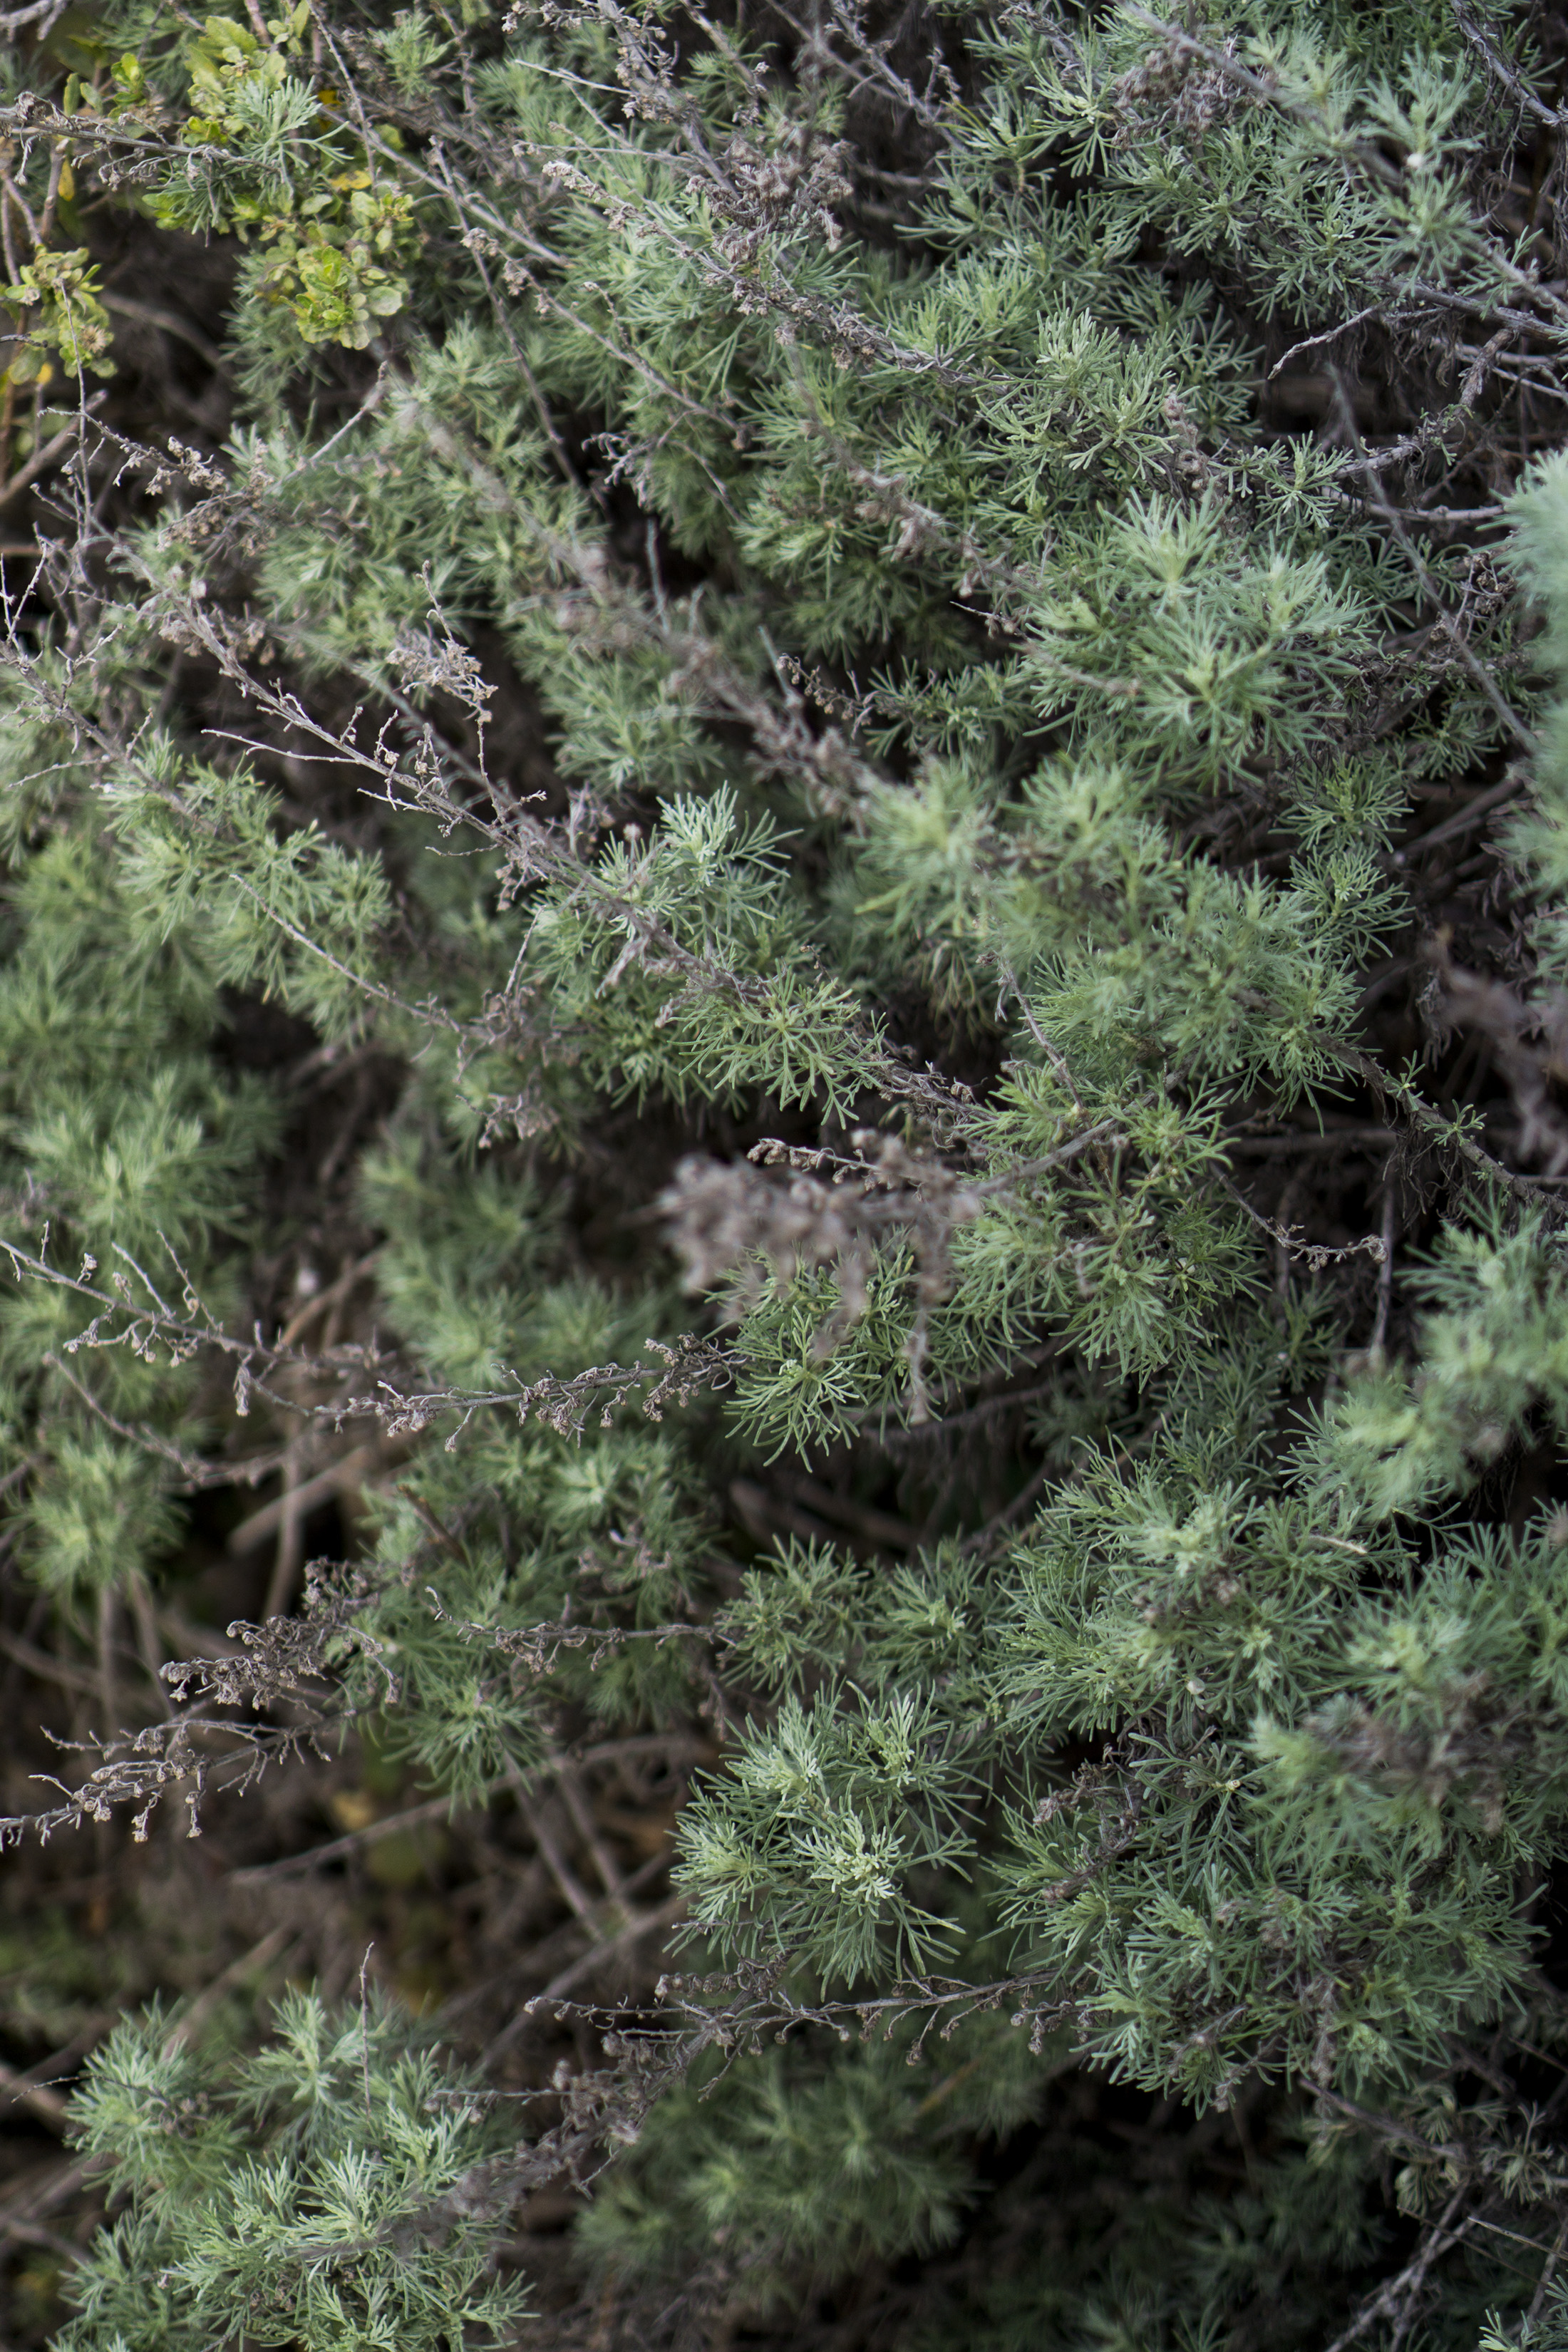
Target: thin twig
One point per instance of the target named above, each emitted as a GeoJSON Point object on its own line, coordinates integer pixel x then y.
{"type": "Point", "coordinates": [42, 459]}
{"type": "Point", "coordinates": [346, 1473]}
{"type": "Point", "coordinates": [1385, 1266]}
{"type": "Point", "coordinates": [1468, 817]}
{"type": "Point", "coordinates": [29, 2090]}
{"type": "Point", "coordinates": [1408, 2285]}
{"type": "Point", "coordinates": [260, 1955]}
{"type": "Point", "coordinates": [1318, 1254]}
{"type": "Point", "coordinates": [1009, 1512]}
{"type": "Point", "coordinates": [646, 1923]}
{"type": "Point", "coordinates": [290, 1522]}
{"type": "Point", "coordinates": [1445, 620]}
{"type": "Point", "coordinates": [1553, 2256]}
{"type": "Point", "coordinates": [291, 1866]}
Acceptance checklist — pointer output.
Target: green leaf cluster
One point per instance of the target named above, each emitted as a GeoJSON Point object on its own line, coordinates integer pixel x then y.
{"type": "Point", "coordinates": [768, 672]}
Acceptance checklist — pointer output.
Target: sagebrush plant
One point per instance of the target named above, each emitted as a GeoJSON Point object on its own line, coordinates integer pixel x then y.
{"type": "Point", "coordinates": [1026, 985]}
{"type": "Point", "coordinates": [355, 2135]}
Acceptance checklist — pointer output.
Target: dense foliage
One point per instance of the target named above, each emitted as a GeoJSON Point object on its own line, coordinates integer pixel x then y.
{"type": "Point", "coordinates": [784, 884]}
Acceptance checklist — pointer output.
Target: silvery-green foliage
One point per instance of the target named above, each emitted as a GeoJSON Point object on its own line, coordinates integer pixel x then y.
{"type": "Point", "coordinates": [936, 661]}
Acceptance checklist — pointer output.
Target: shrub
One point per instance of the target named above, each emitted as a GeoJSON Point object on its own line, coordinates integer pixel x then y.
{"type": "Point", "coordinates": [905, 679]}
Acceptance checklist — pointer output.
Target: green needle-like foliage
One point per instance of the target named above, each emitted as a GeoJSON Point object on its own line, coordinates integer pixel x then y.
{"type": "Point", "coordinates": [283, 2199]}
{"type": "Point", "coordinates": [960, 1203]}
